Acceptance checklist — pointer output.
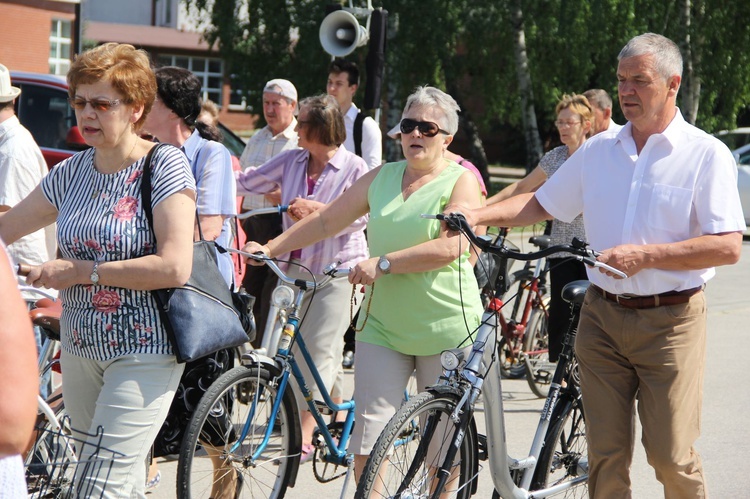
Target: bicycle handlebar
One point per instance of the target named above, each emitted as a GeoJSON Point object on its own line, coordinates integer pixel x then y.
{"type": "Point", "coordinates": [578, 249]}
{"type": "Point", "coordinates": [282, 208]}
{"type": "Point", "coordinates": [331, 271]}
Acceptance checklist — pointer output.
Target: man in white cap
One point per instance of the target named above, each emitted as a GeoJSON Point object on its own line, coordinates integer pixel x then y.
{"type": "Point", "coordinates": [22, 167]}
{"type": "Point", "coordinates": [279, 108]}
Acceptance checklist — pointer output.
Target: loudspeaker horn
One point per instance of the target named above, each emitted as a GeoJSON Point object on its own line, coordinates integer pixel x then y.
{"type": "Point", "coordinates": [340, 33]}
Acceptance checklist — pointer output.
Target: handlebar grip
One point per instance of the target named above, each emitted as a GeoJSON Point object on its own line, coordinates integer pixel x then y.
{"type": "Point", "coordinates": [22, 269]}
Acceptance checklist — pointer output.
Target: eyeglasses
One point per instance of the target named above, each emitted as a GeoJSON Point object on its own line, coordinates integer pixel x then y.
{"type": "Point", "coordinates": [426, 128]}
{"type": "Point", "coordinates": [566, 124]}
{"type": "Point", "coordinates": [100, 105]}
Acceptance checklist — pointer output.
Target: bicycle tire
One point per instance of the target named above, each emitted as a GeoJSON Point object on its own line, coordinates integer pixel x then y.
{"type": "Point", "coordinates": [221, 415]}
{"type": "Point", "coordinates": [403, 436]}
{"type": "Point", "coordinates": [539, 369]}
{"type": "Point", "coordinates": [564, 448]}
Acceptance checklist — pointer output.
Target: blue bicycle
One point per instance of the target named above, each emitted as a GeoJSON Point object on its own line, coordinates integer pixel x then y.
{"type": "Point", "coordinates": [244, 437]}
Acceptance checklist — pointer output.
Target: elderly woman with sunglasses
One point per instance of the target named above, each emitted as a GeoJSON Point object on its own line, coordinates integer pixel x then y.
{"type": "Point", "coordinates": [421, 293]}
{"type": "Point", "coordinates": [310, 178]}
{"type": "Point", "coordinates": [120, 372]}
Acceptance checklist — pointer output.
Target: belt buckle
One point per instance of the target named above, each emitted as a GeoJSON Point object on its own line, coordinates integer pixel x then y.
{"type": "Point", "coordinates": [623, 297]}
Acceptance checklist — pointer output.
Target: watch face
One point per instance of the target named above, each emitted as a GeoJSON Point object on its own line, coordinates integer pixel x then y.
{"type": "Point", "coordinates": [384, 265]}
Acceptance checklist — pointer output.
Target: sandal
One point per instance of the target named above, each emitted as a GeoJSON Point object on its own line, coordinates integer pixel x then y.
{"type": "Point", "coordinates": [154, 482]}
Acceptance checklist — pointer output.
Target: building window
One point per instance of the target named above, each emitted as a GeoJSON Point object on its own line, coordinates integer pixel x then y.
{"type": "Point", "coordinates": [59, 47]}
{"type": "Point", "coordinates": [210, 71]}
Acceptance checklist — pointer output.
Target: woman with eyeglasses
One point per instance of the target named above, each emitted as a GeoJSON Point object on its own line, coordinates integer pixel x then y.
{"type": "Point", "coordinates": [120, 373]}
{"type": "Point", "coordinates": [574, 120]}
{"type": "Point", "coordinates": [310, 178]}
{"type": "Point", "coordinates": [421, 295]}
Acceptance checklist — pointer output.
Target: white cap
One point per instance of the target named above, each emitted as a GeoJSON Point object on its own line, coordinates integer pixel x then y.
{"type": "Point", "coordinates": [7, 92]}
{"type": "Point", "coordinates": [281, 87]}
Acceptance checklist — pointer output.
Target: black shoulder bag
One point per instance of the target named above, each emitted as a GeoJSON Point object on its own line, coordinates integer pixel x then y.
{"type": "Point", "coordinates": [200, 316]}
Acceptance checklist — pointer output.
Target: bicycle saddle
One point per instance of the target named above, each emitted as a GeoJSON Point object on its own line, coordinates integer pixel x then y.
{"type": "Point", "coordinates": [48, 318]}
{"type": "Point", "coordinates": [573, 292]}
{"type": "Point", "coordinates": [540, 242]}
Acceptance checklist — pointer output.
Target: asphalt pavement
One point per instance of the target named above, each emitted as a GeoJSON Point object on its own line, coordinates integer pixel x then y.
{"type": "Point", "coordinates": [725, 441]}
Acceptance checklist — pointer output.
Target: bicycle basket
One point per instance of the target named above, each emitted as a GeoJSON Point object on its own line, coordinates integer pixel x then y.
{"type": "Point", "coordinates": [54, 469]}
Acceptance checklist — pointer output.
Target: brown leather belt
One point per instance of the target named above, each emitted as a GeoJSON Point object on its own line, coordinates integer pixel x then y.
{"type": "Point", "coordinates": [649, 301]}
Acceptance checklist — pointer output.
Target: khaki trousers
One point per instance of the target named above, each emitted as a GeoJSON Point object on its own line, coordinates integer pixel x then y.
{"type": "Point", "coordinates": [655, 356]}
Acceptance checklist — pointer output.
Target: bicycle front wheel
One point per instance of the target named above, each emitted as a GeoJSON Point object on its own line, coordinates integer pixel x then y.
{"type": "Point", "coordinates": [226, 432]}
{"type": "Point", "coordinates": [564, 455]}
{"type": "Point", "coordinates": [412, 447]}
{"type": "Point", "coordinates": [539, 369]}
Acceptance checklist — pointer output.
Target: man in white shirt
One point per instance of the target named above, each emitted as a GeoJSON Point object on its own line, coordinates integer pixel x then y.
{"type": "Point", "coordinates": [363, 136]}
{"type": "Point", "coordinates": [279, 108]}
{"type": "Point", "coordinates": [660, 199]}
{"type": "Point", "coordinates": [601, 105]}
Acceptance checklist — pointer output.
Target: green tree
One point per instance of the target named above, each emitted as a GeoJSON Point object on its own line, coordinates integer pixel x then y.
{"type": "Point", "coordinates": [470, 49]}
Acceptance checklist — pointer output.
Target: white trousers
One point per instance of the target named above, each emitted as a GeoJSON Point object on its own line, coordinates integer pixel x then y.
{"type": "Point", "coordinates": [128, 397]}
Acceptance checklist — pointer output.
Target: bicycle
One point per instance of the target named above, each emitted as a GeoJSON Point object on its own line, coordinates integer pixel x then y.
{"type": "Point", "coordinates": [281, 298]}
{"type": "Point", "coordinates": [248, 421]}
{"type": "Point", "coordinates": [523, 345]}
{"type": "Point", "coordinates": [444, 456]}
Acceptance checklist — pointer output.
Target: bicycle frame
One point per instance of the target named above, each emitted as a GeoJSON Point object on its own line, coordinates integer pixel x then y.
{"type": "Point", "coordinates": [285, 363]}
{"type": "Point", "coordinates": [473, 374]}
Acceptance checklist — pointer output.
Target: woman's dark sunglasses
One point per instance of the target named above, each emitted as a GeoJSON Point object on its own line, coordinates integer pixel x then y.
{"type": "Point", "coordinates": [426, 128]}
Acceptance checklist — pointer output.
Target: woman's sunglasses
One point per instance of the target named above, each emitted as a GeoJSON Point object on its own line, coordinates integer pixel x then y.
{"type": "Point", "coordinates": [426, 128]}
{"type": "Point", "coordinates": [101, 105]}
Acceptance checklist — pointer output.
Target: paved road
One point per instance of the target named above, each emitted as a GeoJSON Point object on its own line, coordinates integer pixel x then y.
{"type": "Point", "coordinates": [724, 444]}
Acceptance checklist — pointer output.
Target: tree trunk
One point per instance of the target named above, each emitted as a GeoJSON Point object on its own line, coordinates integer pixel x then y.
{"type": "Point", "coordinates": [689, 46]}
{"type": "Point", "coordinates": [528, 114]}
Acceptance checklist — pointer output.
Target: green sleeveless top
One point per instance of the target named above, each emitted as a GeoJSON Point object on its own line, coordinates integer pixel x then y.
{"type": "Point", "coordinates": [419, 313]}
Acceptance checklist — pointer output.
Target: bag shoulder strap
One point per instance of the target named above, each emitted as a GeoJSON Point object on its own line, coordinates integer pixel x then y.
{"type": "Point", "coordinates": [146, 193]}
{"type": "Point", "coordinates": [146, 188]}
{"type": "Point", "coordinates": [358, 122]}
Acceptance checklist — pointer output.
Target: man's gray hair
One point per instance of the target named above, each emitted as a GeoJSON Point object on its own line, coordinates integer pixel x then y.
{"type": "Point", "coordinates": [431, 97]}
{"type": "Point", "coordinates": [667, 56]}
{"type": "Point", "coordinates": [599, 98]}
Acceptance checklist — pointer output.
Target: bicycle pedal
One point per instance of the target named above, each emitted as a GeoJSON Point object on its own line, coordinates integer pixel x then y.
{"type": "Point", "coordinates": [323, 408]}
{"type": "Point", "coordinates": [482, 453]}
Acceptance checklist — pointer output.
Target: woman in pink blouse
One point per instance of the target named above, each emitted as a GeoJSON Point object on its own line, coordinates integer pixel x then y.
{"type": "Point", "coordinates": [309, 178]}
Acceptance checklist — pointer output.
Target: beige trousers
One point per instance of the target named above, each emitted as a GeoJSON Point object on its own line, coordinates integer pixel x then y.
{"type": "Point", "coordinates": [129, 397]}
{"type": "Point", "coordinates": [655, 357]}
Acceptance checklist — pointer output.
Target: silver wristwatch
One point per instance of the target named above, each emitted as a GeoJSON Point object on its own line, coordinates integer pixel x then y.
{"type": "Point", "coordinates": [384, 265]}
{"type": "Point", "coordinates": [95, 273]}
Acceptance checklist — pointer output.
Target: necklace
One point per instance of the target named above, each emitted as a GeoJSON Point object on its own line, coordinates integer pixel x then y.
{"type": "Point", "coordinates": [127, 157]}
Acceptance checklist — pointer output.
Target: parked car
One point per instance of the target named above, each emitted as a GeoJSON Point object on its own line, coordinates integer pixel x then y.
{"type": "Point", "coordinates": [742, 155]}
{"type": "Point", "coordinates": [43, 109]}
{"type": "Point", "coordinates": [734, 139]}
{"type": "Point", "coordinates": [738, 141]}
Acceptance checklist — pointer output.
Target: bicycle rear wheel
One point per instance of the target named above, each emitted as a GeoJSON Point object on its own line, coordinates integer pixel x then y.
{"type": "Point", "coordinates": [212, 452]}
{"type": "Point", "coordinates": [409, 451]}
{"type": "Point", "coordinates": [539, 369]}
{"type": "Point", "coordinates": [564, 454]}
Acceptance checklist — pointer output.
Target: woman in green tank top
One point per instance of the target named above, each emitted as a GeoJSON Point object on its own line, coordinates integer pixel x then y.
{"type": "Point", "coordinates": [421, 293]}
